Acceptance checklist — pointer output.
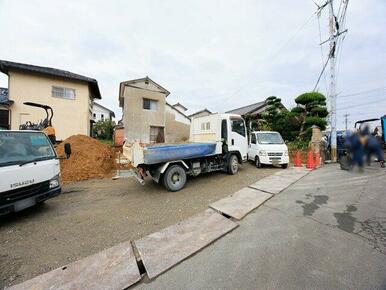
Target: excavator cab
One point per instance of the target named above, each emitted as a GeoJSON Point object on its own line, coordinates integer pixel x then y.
{"type": "Point", "coordinates": [44, 125]}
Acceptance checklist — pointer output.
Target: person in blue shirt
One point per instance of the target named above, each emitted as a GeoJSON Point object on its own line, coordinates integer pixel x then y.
{"type": "Point", "coordinates": [373, 147]}
{"type": "Point", "coordinates": [357, 150]}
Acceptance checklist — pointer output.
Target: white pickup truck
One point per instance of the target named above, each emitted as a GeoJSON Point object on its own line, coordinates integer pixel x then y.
{"type": "Point", "coordinates": [217, 142]}
{"type": "Point", "coordinates": [29, 169]}
{"type": "Point", "coordinates": [267, 147]}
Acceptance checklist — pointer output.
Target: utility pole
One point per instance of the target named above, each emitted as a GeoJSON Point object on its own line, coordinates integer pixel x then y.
{"type": "Point", "coordinates": [346, 119]}
{"type": "Point", "coordinates": [336, 25]}
{"type": "Point", "coordinates": [333, 28]}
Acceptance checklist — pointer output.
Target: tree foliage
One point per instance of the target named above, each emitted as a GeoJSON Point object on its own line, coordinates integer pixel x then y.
{"type": "Point", "coordinates": [273, 109]}
{"type": "Point", "coordinates": [311, 110]}
{"type": "Point", "coordinates": [103, 129]}
{"type": "Point", "coordinates": [295, 125]}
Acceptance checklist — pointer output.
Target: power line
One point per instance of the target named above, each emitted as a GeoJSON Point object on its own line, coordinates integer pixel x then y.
{"type": "Point", "coordinates": [363, 92]}
{"type": "Point", "coordinates": [369, 98]}
{"type": "Point", "coordinates": [321, 73]}
{"type": "Point", "coordinates": [272, 56]}
{"type": "Point", "coordinates": [362, 105]}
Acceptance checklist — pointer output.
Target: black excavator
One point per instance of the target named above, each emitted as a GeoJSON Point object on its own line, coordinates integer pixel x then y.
{"type": "Point", "coordinates": [44, 125]}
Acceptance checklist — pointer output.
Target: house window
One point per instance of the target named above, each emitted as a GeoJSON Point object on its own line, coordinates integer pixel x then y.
{"type": "Point", "coordinates": [94, 115]}
{"type": "Point", "coordinates": [64, 93]}
{"type": "Point", "coordinates": [205, 126]}
{"type": "Point", "coordinates": [149, 104]}
{"type": "Point", "coordinates": [156, 135]}
{"type": "Point", "coordinates": [102, 117]}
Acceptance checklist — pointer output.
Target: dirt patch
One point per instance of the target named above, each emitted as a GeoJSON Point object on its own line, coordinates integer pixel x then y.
{"type": "Point", "coordinates": [89, 159]}
{"type": "Point", "coordinates": [93, 215]}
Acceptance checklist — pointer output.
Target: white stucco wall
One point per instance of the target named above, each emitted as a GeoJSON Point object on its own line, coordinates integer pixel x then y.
{"type": "Point", "coordinates": [98, 111]}
{"type": "Point", "coordinates": [178, 116]}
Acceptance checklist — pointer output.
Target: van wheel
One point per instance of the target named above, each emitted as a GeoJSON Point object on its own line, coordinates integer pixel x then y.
{"type": "Point", "coordinates": [284, 166]}
{"type": "Point", "coordinates": [233, 165]}
{"type": "Point", "coordinates": [174, 178]}
{"type": "Point", "coordinates": [257, 162]}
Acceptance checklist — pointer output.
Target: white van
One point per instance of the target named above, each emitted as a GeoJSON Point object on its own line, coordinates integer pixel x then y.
{"type": "Point", "coordinates": [267, 147]}
{"type": "Point", "coordinates": [29, 169]}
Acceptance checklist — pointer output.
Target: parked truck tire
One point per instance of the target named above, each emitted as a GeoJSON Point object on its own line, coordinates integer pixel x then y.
{"type": "Point", "coordinates": [233, 165]}
{"type": "Point", "coordinates": [257, 162]}
{"type": "Point", "coordinates": [174, 178]}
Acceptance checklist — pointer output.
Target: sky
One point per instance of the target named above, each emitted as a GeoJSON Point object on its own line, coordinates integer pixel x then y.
{"type": "Point", "coordinates": [214, 54]}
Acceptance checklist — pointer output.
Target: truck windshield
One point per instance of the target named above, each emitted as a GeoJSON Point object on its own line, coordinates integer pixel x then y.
{"type": "Point", "coordinates": [269, 138]}
{"type": "Point", "coordinates": [22, 147]}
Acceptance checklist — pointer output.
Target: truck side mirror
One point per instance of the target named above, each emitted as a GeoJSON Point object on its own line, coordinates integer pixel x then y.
{"type": "Point", "coordinates": [67, 149]}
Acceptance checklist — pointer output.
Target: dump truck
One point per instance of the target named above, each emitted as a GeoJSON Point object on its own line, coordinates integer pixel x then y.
{"type": "Point", "coordinates": [29, 169]}
{"type": "Point", "coordinates": [218, 142]}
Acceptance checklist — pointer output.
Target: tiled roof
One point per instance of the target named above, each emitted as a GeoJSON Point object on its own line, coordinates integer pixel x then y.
{"type": "Point", "coordinates": [247, 109]}
{"type": "Point", "coordinates": [199, 112]}
{"type": "Point", "coordinates": [6, 66]}
{"type": "Point", "coordinates": [112, 112]}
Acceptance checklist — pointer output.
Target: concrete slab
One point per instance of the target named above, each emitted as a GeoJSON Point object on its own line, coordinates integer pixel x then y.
{"type": "Point", "coordinates": [162, 250]}
{"type": "Point", "coordinates": [320, 249]}
{"type": "Point", "coordinates": [114, 268]}
{"type": "Point", "coordinates": [280, 180]}
{"type": "Point", "coordinates": [240, 203]}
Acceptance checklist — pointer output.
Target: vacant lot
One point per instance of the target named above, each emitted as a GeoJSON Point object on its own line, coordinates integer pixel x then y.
{"type": "Point", "coordinates": [93, 215]}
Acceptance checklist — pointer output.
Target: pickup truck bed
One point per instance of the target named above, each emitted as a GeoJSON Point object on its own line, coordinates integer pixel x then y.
{"type": "Point", "coordinates": [165, 153]}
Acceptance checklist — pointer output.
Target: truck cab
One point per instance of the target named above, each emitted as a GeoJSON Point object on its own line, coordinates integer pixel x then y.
{"type": "Point", "coordinates": [227, 130]}
{"type": "Point", "coordinates": [267, 147]}
{"type": "Point", "coordinates": [29, 169]}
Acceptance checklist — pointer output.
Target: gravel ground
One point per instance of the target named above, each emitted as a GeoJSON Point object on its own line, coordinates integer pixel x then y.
{"type": "Point", "coordinates": [96, 214]}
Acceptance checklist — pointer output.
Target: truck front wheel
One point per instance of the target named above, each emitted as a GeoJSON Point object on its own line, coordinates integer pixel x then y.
{"type": "Point", "coordinates": [174, 178]}
{"type": "Point", "coordinates": [257, 162]}
{"type": "Point", "coordinates": [233, 165]}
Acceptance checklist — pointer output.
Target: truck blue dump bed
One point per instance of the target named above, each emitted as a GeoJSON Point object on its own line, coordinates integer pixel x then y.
{"type": "Point", "coordinates": [164, 153]}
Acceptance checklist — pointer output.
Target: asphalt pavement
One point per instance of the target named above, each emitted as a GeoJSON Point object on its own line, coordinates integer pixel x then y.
{"type": "Point", "coordinates": [327, 231]}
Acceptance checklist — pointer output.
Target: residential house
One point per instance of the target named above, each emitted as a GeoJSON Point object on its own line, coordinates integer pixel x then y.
{"type": "Point", "coordinates": [253, 110]}
{"type": "Point", "coordinates": [180, 107]}
{"type": "Point", "coordinates": [202, 113]}
{"type": "Point", "coordinates": [101, 113]}
{"type": "Point", "coordinates": [70, 95]}
{"type": "Point", "coordinates": [147, 116]}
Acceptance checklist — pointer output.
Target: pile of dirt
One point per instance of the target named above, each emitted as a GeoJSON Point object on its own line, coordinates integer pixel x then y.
{"type": "Point", "coordinates": [89, 159]}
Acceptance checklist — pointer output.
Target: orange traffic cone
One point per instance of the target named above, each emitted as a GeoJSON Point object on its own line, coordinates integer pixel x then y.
{"type": "Point", "coordinates": [310, 160]}
{"type": "Point", "coordinates": [297, 161]}
{"type": "Point", "coordinates": [317, 160]}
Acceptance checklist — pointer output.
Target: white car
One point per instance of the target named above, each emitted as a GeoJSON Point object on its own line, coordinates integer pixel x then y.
{"type": "Point", "coordinates": [267, 147]}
